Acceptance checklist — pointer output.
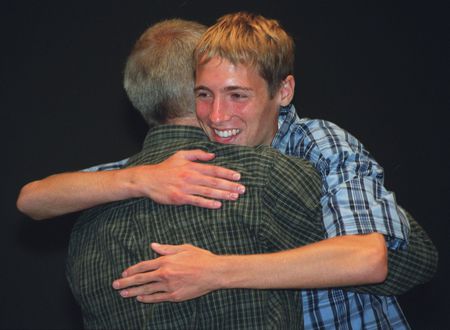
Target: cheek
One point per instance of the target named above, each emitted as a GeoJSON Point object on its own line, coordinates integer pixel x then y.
{"type": "Point", "coordinates": [202, 110]}
{"type": "Point", "coordinates": [239, 110]}
{"type": "Point", "coordinates": [263, 122]}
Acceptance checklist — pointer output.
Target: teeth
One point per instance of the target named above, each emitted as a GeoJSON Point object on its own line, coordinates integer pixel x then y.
{"type": "Point", "coordinates": [228, 133]}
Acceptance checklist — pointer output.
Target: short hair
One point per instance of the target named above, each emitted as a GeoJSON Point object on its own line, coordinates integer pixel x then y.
{"type": "Point", "coordinates": [159, 73]}
{"type": "Point", "coordinates": [250, 39]}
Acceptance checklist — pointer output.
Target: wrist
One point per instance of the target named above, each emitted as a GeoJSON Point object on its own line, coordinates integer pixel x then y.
{"type": "Point", "coordinates": [125, 183]}
{"type": "Point", "coordinates": [233, 272]}
{"type": "Point", "coordinates": [223, 272]}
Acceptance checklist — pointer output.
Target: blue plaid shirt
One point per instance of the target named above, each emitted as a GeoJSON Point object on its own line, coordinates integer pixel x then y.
{"type": "Point", "coordinates": [354, 201]}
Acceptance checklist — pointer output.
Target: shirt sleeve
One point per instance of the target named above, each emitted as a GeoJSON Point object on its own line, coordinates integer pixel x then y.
{"type": "Point", "coordinates": [107, 167]}
{"type": "Point", "coordinates": [354, 199]}
{"type": "Point", "coordinates": [408, 267]}
{"type": "Point", "coordinates": [293, 189]}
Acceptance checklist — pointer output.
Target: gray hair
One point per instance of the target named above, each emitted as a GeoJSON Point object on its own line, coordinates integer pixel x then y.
{"type": "Point", "coordinates": [159, 73]}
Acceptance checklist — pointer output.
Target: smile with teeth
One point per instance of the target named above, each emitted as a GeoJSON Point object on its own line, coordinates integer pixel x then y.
{"type": "Point", "coordinates": [227, 133]}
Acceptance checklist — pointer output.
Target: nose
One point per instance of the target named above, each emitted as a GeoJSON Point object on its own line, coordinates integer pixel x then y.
{"type": "Point", "coordinates": [219, 112]}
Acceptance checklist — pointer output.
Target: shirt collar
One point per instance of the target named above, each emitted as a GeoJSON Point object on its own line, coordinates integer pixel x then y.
{"type": "Point", "coordinates": [286, 118]}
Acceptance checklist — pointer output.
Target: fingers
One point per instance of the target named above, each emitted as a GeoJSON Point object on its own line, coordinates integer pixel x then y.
{"type": "Point", "coordinates": [218, 176]}
{"type": "Point", "coordinates": [204, 202]}
{"type": "Point", "coordinates": [146, 289]}
{"type": "Point", "coordinates": [207, 192]}
{"type": "Point", "coordinates": [211, 170]}
{"type": "Point", "coordinates": [215, 188]}
{"type": "Point", "coordinates": [217, 171]}
{"type": "Point", "coordinates": [150, 293]}
{"type": "Point", "coordinates": [144, 271]}
{"type": "Point", "coordinates": [134, 280]}
{"type": "Point", "coordinates": [167, 249]}
{"type": "Point", "coordinates": [195, 154]}
{"type": "Point", "coordinates": [198, 184]}
{"type": "Point", "coordinates": [142, 267]}
{"type": "Point", "coordinates": [214, 182]}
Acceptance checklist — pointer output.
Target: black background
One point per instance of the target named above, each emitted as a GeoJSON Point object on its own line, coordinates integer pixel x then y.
{"type": "Point", "coordinates": [378, 69]}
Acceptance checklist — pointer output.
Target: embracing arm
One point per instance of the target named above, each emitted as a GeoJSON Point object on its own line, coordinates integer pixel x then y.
{"type": "Point", "coordinates": [356, 202]}
{"type": "Point", "coordinates": [358, 262]}
{"type": "Point", "coordinates": [177, 180]}
{"type": "Point", "coordinates": [184, 272]}
{"type": "Point", "coordinates": [70, 192]}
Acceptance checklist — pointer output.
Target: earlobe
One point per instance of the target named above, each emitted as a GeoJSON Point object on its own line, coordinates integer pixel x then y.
{"type": "Point", "coordinates": [287, 90]}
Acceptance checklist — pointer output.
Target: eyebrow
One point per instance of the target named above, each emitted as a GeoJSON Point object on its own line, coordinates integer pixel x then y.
{"type": "Point", "coordinates": [226, 89]}
{"type": "Point", "coordinates": [199, 87]}
{"type": "Point", "coordinates": [233, 88]}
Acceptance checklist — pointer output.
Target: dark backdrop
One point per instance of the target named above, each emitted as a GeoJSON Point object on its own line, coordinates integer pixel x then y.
{"type": "Point", "coordinates": [379, 70]}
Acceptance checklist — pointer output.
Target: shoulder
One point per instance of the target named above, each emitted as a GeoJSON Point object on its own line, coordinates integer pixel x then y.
{"type": "Point", "coordinates": [328, 137]}
{"type": "Point", "coordinates": [111, 215]}
{"type": "Point", "coordinates": [290, 170]}
{"type": "Point", "coordinates": [319, 129]}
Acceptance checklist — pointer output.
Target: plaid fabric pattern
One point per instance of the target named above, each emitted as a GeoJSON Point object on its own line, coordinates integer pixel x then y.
{"type": "Point", "coordinates": [280, 210]}
{"type": "Point", "coordinates": [408, 267]}
{"type": "Point", "coordinates": [355, 307]}
{"type": "Point", "coordinates": [354, 201]}
{"type": "Point", "coordinates": [374, 307]}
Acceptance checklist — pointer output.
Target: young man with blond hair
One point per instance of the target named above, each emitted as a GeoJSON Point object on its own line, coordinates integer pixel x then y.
{"type": "Point", "coordinates": [244, 88]}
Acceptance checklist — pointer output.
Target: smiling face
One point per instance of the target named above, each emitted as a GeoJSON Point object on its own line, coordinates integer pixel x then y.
{"type": "Point", "coordinates": [233, 103]}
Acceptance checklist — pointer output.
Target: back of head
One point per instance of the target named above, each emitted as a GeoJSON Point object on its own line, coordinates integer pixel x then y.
{"type": "Point", "coordinates": [159, 78]}
{"type": "Point", "coordinates": [250, 39]}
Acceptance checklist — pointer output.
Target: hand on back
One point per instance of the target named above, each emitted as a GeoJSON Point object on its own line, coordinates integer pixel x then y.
{"type": "Point", "coordinates": [181, 179]}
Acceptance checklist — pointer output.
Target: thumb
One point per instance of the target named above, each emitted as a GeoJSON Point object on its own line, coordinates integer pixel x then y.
{"type": "Point", "coordinates": [166, 249]}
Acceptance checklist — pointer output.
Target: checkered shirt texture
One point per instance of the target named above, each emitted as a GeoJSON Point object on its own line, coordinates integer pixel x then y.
{"type": "Point", "coordinates": [355, 201]}
{"type": "Point", "coordinates": [373, 306]}
{"type": "Point", "coordinates": [280, 210]}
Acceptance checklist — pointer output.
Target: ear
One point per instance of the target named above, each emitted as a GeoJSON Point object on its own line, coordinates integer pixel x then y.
{"type": "Point", "coordinates": [286, 91]}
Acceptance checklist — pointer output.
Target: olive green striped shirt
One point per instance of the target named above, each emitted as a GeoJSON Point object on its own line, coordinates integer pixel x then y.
{"type": "Point", "coordinates": [280, 210]}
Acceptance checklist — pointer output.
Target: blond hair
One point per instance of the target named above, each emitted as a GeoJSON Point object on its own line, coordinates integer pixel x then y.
{"type": "Point", "coordinates": [250, 39]}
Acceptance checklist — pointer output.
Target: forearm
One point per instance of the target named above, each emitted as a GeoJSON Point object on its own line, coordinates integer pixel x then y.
{"type": "Point", "coordinates": [178, 180]}
{"type": "Point", "coordinates": [356, 262]}
{"type": "Point", "coordinates": [184, 272]}
{"type": "Point", "coordinates": [75, 191]}
{"type": "Point", "coordinates": [335, 262]}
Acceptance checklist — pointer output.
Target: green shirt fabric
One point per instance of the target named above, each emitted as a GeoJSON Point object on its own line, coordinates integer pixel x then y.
{"type": "Point", "coordinates": [280, 210]}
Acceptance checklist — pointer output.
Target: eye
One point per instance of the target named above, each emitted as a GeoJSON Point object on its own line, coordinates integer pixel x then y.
{"type": "Point", "coordinates": [238, 96]}
{"type": "Point", "coordinates": [202, 94]}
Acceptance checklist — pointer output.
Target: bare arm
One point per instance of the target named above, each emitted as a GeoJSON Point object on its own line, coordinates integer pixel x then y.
{"type": "Point", "coordinates": [185, 272]}
{"type": "Point", "coordinates": [178, 180]}
{"type": "Point", "coordinates": [70, 192]}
